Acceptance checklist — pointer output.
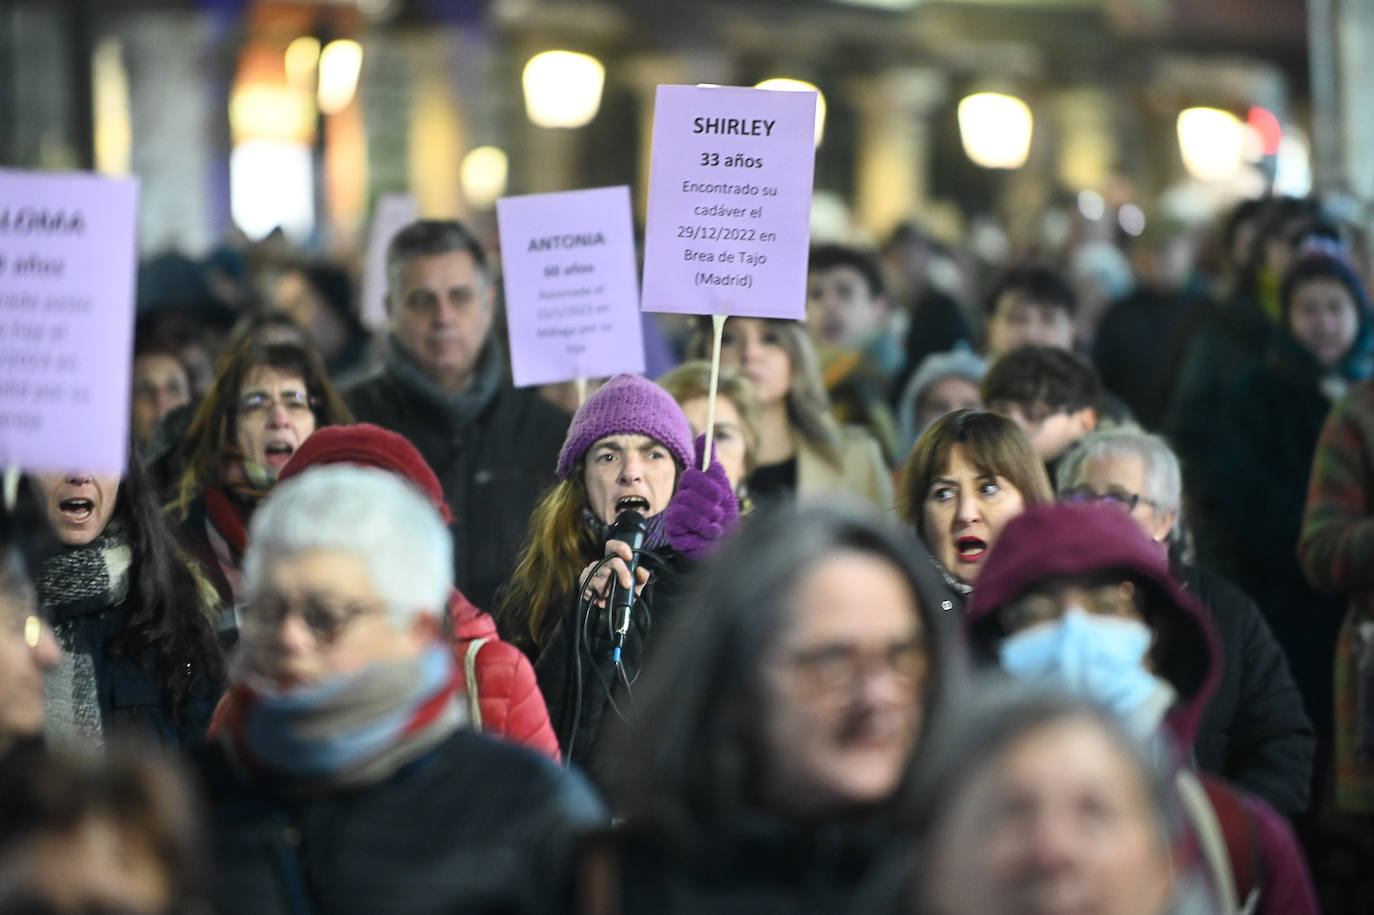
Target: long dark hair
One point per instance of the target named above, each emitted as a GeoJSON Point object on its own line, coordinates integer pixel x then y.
{"type": "Point", "coordinates": [693, 760]}
{"type": "Point", "coordinates": [212, 428]}
{"type": "Point", "coordinates": [171, 608]}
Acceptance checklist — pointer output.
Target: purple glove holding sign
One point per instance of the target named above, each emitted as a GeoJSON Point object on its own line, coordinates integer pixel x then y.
{"type": "Point", "coordinates": [703, 510]}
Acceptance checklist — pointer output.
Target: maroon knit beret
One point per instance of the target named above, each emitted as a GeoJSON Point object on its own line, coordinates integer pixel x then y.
{"type": "Point", "coordinates": [368, 446]}
{"type": "Point", "coordinates": [627, 405]}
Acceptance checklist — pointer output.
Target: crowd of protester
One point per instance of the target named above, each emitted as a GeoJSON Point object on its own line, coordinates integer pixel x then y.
{"type": "Point", "coordinates": [991, 594]}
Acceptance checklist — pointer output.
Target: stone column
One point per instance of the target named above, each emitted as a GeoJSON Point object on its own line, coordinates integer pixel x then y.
{"type": "Point", "coordinates": [892, 175]}
{"type": "Point", "coordinates": [1340, 36]}
{"type": "Point", "coordinates": [173, 148]}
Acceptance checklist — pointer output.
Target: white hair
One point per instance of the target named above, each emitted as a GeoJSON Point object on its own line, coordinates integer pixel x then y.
{"type": "Point", "coordinates": [1163, 479]}
{"type": "Point", "coordinates": [389, 525]}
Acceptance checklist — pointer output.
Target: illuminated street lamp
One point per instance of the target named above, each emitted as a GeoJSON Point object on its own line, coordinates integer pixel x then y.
{"type": "Point", "coordinates": [483, 176]}
{"type": "Point", "coordinates": [1211, 142]}
{"type": "Point", "coordinates": [798, 85]}
{"type": "Point", "coordinates": [995, 130]}
{"type": "Point", "coordinates": [340, 63]}
{"type": "Point", "coordinates": [563, 88]}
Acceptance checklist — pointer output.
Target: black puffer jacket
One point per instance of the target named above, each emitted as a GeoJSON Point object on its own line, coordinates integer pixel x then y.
{"type": "Point", "coordinates": [1254, 732]}
{"type": "Point", "coordinates": [495, 456]}
{"type": "Point", "coordinates": [473, 826]}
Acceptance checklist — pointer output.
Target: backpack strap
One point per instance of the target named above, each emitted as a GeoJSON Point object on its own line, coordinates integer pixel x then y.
{"type": "Point", "coordinates": [470, 677]}
{"type": "Point", "coordinates": [1197, 806]}
{"type": "Point", "coordinates": [1242, 842]}
{"type": "Point", "coordinates": [1226, 837]}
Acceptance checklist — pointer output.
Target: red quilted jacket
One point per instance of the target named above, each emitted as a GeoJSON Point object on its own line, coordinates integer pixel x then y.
{"type": "Point", "coordinates": [507, 692]}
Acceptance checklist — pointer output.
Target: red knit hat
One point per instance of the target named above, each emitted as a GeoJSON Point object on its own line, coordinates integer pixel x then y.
{"type": "Point", "coordinates": [368, 446]}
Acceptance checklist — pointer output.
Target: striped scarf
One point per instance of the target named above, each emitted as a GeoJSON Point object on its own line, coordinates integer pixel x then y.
{"type": "Point", "coordinates": [348, 731]}
{"type": "Point", "coordinates": [75, 585]}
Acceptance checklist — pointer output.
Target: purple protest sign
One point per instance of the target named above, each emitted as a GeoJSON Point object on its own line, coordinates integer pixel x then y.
{"type": "Point", "coordinates": [391, 214]}
{"type": "Point", "coordinates": [67, 258]}
{"type": "Point", "coordinates": [572, 303]}
{"type": "Point", "coordinates": [729, 222]}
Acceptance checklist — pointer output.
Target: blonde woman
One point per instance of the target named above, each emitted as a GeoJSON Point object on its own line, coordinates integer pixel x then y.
{"type": "Point", "coordinates": [736, 434]}
{"type": "Point", "coordinates": [803, 452]}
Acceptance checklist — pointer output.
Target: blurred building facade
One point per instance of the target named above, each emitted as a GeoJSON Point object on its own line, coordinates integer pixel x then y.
{"type": "Point", "coordinates": [244, 115]}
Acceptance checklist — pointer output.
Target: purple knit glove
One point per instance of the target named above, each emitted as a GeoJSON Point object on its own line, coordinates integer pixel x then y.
{"type": "Point", "coordinates": [703, 510]}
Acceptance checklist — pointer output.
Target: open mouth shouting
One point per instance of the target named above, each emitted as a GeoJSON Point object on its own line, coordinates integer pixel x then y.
{"type": "Point", "coordinates": [78, 504]}
{"type": "Point", "coordinates": [970, 549]}
{"type": "Point", "coordinates": [76, 511]}
{"type": "Point", "coordinates": [632, 503]}
{"type": "Point", "coordinates": [276, 454]}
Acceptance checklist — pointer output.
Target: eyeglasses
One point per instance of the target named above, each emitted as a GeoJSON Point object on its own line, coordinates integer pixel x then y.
{"type": "Point", "coordinates": [1116, 498]}
{"type": "Point", "coordinates": [292, 401]}
{"type": "Point", "coordinates": [834, 671]}
{"type": "Point", "coordinates": [325, 617]}
{"type": "Point", "coordinates": [1115, 598]}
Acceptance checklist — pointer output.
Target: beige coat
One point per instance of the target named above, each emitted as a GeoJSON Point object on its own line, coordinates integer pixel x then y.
{"type": "Point", "coordinates": [861, 472]}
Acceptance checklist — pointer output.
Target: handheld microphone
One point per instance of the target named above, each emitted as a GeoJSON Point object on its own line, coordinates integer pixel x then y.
{"type": "Point", "coordinates": [629, 529]}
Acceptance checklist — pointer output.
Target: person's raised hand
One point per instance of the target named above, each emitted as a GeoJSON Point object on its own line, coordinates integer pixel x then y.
{"type": "Point", "coordinates": [703, 510]}
{"type": "Point", "coordinates": [597, 587]}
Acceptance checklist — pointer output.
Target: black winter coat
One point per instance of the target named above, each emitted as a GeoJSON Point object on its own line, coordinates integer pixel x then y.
{"type": "Point", "coordinates": [130, 693]}
{"type": "Point", "coordinates": [473, 826]}
{"type": "Point", "coordinates": [757, 867]}
{"type": "Point", "coordinates": [1273, 419]}
{"type": "Point", "coordinates": [1254, 732]}
{"type": "Point", "coordinates": [578, 724]}
{"type": "Point", "coordinates": [493, 470]}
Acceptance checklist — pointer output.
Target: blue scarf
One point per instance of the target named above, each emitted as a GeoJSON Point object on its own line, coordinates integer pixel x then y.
{"type": "Point", "coordinates": [353, 730]}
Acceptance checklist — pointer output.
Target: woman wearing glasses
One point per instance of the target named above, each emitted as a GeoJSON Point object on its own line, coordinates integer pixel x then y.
{"type": "Point", "coordinates": [778, 724]}
{"type": "Point", "coordinates": [266, 400]}
{"type": "Point", "coordinates": [343, 775]}
{"type": "Point", "coordinates": [1254, 731]}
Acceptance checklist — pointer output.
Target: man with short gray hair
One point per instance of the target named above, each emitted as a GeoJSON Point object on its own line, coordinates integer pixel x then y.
{"type": "Point", "coordinates": [443, 385]}
{"type": "Point", "coordinates": [341, 776]}
{"type": "Point", "coordinates": [1254, 731]}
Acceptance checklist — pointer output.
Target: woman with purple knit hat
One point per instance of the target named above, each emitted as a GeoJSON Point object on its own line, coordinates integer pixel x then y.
{"type": "Point", "coordinates": [628, 471]}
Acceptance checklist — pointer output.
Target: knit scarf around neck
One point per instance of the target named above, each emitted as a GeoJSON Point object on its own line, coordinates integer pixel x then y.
{"type": "Point", "coordinates": [457, 409]}
{"type": "Point", "coordinates": [78, 582]}
{"type": "Point", "coordinates": [231, 504]}
{"type": "Point", "coordinates": [654, 534]}
{"type": "Point", "coordinates": [348, 731]}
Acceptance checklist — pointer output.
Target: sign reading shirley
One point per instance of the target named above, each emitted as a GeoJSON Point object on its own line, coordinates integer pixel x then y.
{"type": "Point", "coordinates": [572, 302]}
{"type": "Point", "coordinates": [67, 254]}
{"type": "Point", "coordinates": [729, 222]}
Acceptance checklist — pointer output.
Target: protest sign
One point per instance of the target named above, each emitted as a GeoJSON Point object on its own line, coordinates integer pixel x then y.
{"type": "Point", "coordinates": [572, 303]}
{"type": "Point", "coordinates": [390, 214]}
{"type": "Point", "coordinates": [67, 257]}
{"type": "Point", "coordinates": [728, 227]}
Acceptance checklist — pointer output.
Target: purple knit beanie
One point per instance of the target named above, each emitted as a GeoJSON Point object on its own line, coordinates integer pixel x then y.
{"type": "Point", "coordinates": [627, 405]}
